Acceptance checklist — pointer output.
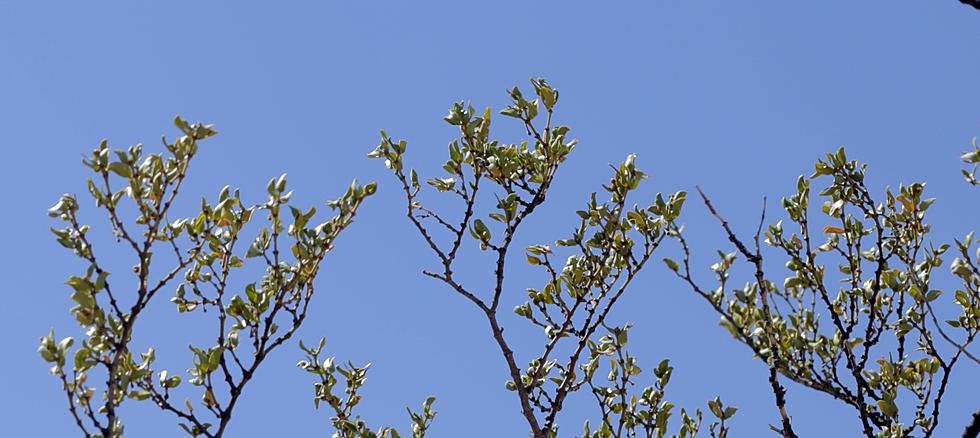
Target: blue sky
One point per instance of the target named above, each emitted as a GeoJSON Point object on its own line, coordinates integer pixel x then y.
{"type": "Point", "coordinates": [737, 97]}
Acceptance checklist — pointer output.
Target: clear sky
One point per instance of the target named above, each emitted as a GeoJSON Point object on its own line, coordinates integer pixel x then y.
{"type": "Point", "coordinates": [739, 97]}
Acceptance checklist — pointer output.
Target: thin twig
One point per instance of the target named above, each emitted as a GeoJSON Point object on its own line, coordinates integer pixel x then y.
{"type": "Point", "coordinates": [778, 390]}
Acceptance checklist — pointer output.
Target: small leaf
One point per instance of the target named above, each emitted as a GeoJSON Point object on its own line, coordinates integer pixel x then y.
{"type": "Point", "coordinates": [888, 408]}
{"type": "Point", "coordinates": [139, 394]}
{"type": "Point", "coordinates": [729, 412]}
{"type": "Point", "coordinates": [908, 205]}
{"type": "Point", "coordinates": [120, 169]}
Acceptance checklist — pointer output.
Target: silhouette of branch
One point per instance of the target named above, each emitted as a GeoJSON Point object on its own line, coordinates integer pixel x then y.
{"type": "Point", "coordinates": [973, 430]}
{"type": "Point", "coordinates": [975, 4]}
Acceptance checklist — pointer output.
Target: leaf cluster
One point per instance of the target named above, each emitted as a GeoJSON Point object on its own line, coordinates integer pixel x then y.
{"type": "Point", "coordinates": [608, 248]}
{"type": "Point", "coordinates": [346, 424]}
{"type": "Point", "coordinates": [868, 341]}
{"type": "Point", "coordinates": [205, 251]}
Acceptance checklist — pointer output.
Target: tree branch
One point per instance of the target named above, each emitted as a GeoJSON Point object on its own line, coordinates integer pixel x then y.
{"type": "Point", "coordinates": [975, 4]}
{"type": "Point", "coordinates": [973, 429]}
{"type": "Point", "coordinates": [756, 259]}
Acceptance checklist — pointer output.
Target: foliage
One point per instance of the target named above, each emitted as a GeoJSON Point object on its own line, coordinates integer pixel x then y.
{"type": "Point", "coordinates": [875, 342]}
{"type": "Point", "coordinates": [870, 342]}
{"type": "Point", "coordinates": [354, 377]}
{"type": "Point", "coordinates": [971, 157]}
{"type": "Point", "coordinates": [206, 249]}
{"type": "Point", "coordinates": [611, 244]}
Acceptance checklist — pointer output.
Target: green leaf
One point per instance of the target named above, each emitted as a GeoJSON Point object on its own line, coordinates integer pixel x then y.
{"type": "Point", "coordinates": [887, 406]}
{"type": "Point", "coordinates": [442, 184]}
{"type": "Point", "coordinates": [715, 406]}
{"type": "Point", "coordinates": [79, 284]}
{"type": "Point", "coordinates": [139, 394]}
{"type": "Point", "coordinates": [415, 178]}
{"type": "Point", "coordinates": [821, 169]}
{"type": "Point", "coordinates": [214, 358]}
{"type": "Point", "coordinates": [539, 249]}
{"type": "Point", "coordinates": [511, 111]}
{"type": "Point", "coordinates": [120, 169]}
{"type": "Point", "coordinates": [962, 298]}
{"type": "Point", "coordinates": [84, 299]}
{"type": "Point", "coordinates": [480, 231]}
{"type": "Point", "coordinates": [729, 412]}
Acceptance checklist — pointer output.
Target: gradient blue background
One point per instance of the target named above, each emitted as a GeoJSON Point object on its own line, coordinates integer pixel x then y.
{"type": "Point", "coordinates": [739, 97]}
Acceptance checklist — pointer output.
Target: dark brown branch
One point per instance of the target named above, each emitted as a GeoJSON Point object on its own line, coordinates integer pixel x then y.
{"type": "Point", "coordinates": [459, 289]}
{"type": "Point", "coordinates": [756, 259]}
{"type": "Point", "coordinates": [973, 429]}
{"type": "Point", "coordinates": [939, 328]}
{"type": "Point", "coordinates": [71, 401]}
{"type": "Point", "coordinates": [975, 4]}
